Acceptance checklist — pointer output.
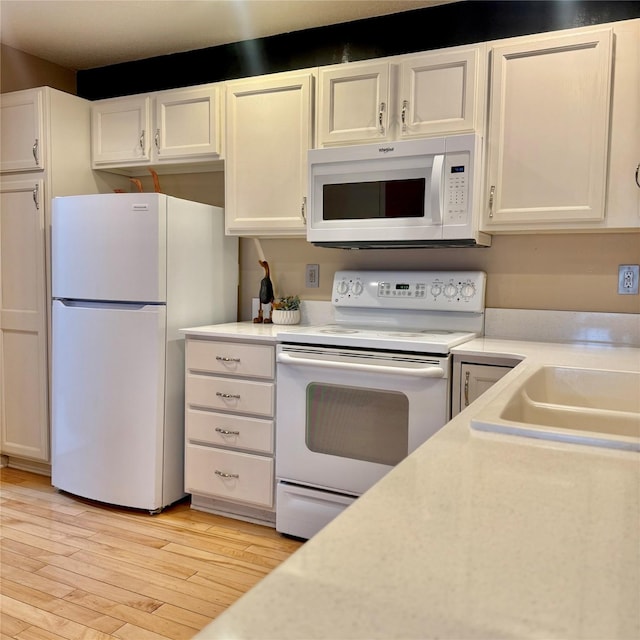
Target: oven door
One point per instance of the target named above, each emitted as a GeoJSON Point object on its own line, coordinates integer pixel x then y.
{"type": "Point", "coordinates": [346, 417]}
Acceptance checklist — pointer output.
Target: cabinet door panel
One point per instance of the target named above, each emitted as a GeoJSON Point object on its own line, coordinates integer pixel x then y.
{"type": "Point", "coordinates": [354, 104]}
{"type": "Point", "coordinates": [476, 379]}
{"type": "Point", "coordinates": [120, 131]}
{"type": "Point", "coordinates": [187, 123]}
{"type": "Point", "coordinates": [548, 130]}
{"type": "Point", "coordinates": [22, 131]}
{"type": "Point", "coordinates": [268, 137]}
{"type": "Point", "coordinates": [24, 413]}
{"type": "Point", "coordinates": [439, 93]}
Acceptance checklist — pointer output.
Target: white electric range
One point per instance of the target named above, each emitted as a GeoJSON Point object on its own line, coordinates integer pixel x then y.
{"type": "Point", "coordinates": [357, 396]}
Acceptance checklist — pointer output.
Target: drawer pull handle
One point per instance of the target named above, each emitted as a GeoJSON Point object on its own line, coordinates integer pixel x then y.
{"type": "Point", "coordinates": [225, 359]}
{"type": "Point", "coordinates": [466, 388]}
{"type": "Point", "coordinates": [222, 474]}
{"type": "Point", "coordinates": [226, 432]}
{"type": "Point", "coordinates": [236, 396]}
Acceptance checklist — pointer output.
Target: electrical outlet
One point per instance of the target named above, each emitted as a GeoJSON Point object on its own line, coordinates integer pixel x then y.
{"type": "Point", "coordinates": [628, 279]}
{"type": "Point", "coordinates": [312, 277]}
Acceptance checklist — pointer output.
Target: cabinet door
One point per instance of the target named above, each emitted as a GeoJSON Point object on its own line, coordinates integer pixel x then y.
{"type": "Point", "coordinates": [269, 132]}
{"type": "Point", "coordinates": [187, 123]}
{"type": "Point", "coordinates": [623, 192]}
{"type": "Point", "coordinates": [476, 379]}
{"type": "Point", "coordinates": [24, 413]}
{"type": "Point", "coordinates": [22, 131]}
{"type": "Point", "coordinates": [120, 131]}
{"type": "Point", "coordinates": [439, 93]}
{"type": "Point", "coordinates": [354, 103]}
{"type": "Point", "coordinates": [549, 131]}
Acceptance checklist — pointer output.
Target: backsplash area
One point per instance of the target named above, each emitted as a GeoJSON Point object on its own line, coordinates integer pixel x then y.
{"type": "Point", "coordinates": [572, 272]}
{"type": "Point", "coordinates": [563, 326]}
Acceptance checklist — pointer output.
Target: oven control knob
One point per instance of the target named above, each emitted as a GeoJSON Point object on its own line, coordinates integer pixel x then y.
{"type": "Point", "coordinates": [468, 290]}
{"type": "Point", "coordinates": [356, 288]}
{"type": "Point", "coordinates": [451, 291]}
{"type": "Point", "coordinates": [342, 287]}
{"type": "Point", "coordinates": [436, 290]}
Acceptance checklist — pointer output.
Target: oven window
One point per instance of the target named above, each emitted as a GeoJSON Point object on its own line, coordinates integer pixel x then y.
{"type": "Point", "coordinates": [361, 424]}
{"type": "Point", "coordinates": [367, 200]}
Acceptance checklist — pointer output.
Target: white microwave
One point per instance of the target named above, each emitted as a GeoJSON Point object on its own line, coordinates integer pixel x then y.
{"type": "Point", "coordinates": [409, 193]}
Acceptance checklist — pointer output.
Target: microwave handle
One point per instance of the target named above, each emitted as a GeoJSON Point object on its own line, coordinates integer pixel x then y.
{"type": "Point", "coordinates": [437, 180]}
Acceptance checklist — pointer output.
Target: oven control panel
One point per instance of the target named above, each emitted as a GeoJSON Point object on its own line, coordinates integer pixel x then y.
{"type": "Point", "coordinates": [419, 290]}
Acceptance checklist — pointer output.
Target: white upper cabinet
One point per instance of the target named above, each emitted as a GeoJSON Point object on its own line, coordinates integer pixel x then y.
{"type": "Point", "coordinates": [623, 188]}
{"type": "Point", "coordinates": [441, 92]}
{"type": "Point", "coordinates": [120, 131]}
{"type": "Point", "coordinates": [22, 131]}
{"type": "Point", "coordinates": [548, 132]}
{"type": "Point", "coordinates": [420, 95]}
{"type": "Point", "coordinates": [168, 127]}
{"type": "Point", "coordinates": [187, 124]}
{"type": "Point", "coordinates": [269, 131]}
{"type": "Point", "coordinates": [353, 103]}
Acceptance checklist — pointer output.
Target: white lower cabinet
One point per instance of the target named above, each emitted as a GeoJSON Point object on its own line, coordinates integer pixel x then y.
{"type": "Point", "coordinates": [230, 428]}
{"type": "Point", "coordinates": [472, 376]}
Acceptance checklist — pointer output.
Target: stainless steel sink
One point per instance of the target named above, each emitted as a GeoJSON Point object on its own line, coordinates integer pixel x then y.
{"type": "Point", "coordinates": [588, 406]}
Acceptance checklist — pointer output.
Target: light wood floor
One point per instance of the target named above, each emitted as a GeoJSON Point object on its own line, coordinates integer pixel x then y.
{"type": "Point", "coordinates": [73, 569]}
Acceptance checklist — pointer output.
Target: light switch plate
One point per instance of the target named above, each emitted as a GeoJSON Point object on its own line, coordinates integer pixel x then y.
{"type": "Point", "coordinates": [312, 276]}
{"type": "Point", "coordinates": [628, 279]}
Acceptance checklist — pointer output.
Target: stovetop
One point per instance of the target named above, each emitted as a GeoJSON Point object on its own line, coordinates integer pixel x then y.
{"type": "Point", "coordinates": [433, 341]}
{"type": "Point", "coordinates": [415, 311]}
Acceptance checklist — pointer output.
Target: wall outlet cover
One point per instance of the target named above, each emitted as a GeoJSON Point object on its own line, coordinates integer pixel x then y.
{"type": "Point", "coordinates": [628, 275]}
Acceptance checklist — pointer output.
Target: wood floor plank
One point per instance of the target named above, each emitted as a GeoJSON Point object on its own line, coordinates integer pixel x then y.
{"type": "Point", "coordinates": [188, 618]}
{"type": "Point", "coordinates": [34, 633]}
{"type": "Point", "coordinates": [11, 626]}
{"type": "Point", "coordinates": [34, 546]}
{"type": "Point", "coordinates": [131, 632]}
{"type": "Point", "coordinates": [99, 588]}
{"type": "Point", "coordinates": [63, 608]}
{"type": "Point", "coordinates": [217, 559]}
{"type": "Point", "coordinates": [50, 524]}
{"type": "Point", "coordinates": [49, 621]}
{"type": "Point", "coordinates": [140, 555]}
{"type": "Point", "coordinates": [74, 569]}
{"type": "Point", "coordinates": [35, 581]}
{"type": "Point", "coordinates": [13, 559]}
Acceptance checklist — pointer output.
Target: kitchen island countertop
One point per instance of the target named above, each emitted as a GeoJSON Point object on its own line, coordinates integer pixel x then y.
{"type": "Point", "coordinates": [473, 535]}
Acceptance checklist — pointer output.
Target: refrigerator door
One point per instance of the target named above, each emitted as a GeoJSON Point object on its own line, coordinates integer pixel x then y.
{"type": "Point", "coordinates": [108, 402]}
{"type": "Point", "coordinates": [109, 247]}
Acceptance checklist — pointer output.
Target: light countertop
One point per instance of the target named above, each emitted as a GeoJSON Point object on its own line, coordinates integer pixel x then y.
{"type": "Point", "coordinates": [474, 535]}
{"type": "Point", "coordinates": [247, 331]}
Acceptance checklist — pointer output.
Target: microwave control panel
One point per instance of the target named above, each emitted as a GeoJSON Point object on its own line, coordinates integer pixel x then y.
{"type": "Point", "coordinates": [418, 290]}
{"type": "Point", "coordinates": [457, 179]}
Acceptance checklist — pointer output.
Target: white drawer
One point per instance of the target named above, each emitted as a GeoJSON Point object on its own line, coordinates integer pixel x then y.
{"type": "Point", "coordinates": [230, 475]}
{"type": "Point", "coordinates": [230, 394]}
{"type": "Point", "coordinates": [227, 430]}
{"type": "Point", "coordinates": [233, 358]}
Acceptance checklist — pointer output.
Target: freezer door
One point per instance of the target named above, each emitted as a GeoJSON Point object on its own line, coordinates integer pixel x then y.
{"type": "Point", "coordinates": [108, 380]}
{"type": "Point", "coordinates": [109, 247]}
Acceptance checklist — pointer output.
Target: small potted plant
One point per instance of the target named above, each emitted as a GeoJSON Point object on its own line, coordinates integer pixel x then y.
{"type": "Point", "coordinates": [286, 310]}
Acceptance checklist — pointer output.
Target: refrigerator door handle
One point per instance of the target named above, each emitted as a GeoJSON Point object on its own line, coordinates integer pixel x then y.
{"type": "Point", "coordinates": [91, 304]}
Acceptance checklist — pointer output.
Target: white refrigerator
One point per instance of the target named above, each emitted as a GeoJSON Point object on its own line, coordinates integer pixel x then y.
{"type": "Point", "coordinates": [128, 271]}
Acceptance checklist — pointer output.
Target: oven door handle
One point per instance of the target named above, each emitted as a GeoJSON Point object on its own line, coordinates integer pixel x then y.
{"type": "Point", "coordinates": [422, 372]}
